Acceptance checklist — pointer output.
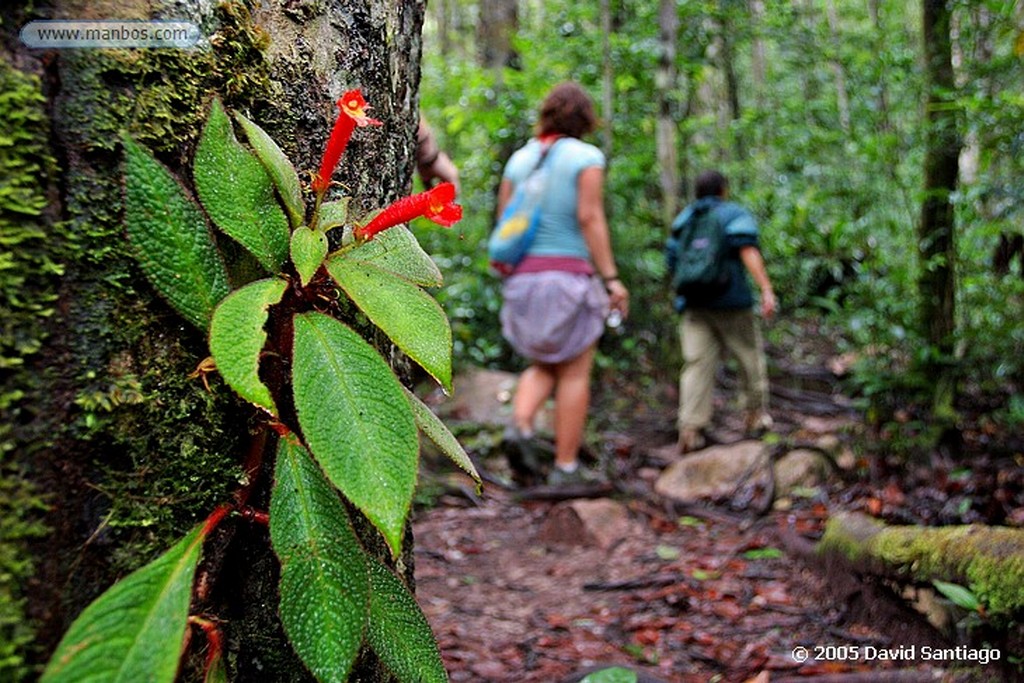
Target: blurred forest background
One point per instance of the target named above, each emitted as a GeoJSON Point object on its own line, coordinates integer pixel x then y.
{"type": "Point", "coordinates": [822, 112]}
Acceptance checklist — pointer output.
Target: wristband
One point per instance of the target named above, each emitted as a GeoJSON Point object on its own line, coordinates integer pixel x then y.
{"type": "Point", "coordinates": [611, 278]}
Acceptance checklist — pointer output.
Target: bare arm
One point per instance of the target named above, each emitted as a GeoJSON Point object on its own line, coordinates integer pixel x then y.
{"type": "Point", "coordinates": [594, 226]}
{"type": "Point", "coordinates": [752, 259]}
{"type": "Point", "coordinates": [431, 163]}
{"type": "Point", "coordinates": [504, 194]}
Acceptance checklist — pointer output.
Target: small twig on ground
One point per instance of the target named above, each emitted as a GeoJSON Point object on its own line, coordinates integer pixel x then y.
{"type": "Point", "coordinates": [655, 581]}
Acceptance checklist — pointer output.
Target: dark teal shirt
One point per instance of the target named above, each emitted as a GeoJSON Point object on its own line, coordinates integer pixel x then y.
{"type": "Point", "coordinates": [740, 231]}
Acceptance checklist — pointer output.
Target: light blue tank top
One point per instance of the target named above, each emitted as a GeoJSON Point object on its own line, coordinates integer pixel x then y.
{"type": "Point", "coordinates": [559, 231]}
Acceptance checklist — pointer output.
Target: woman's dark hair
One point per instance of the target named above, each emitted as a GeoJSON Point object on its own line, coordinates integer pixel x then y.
{"type": "Point", "coordinates": [567, 110]}
{"type": "Point", "coordinates": [710, 184]}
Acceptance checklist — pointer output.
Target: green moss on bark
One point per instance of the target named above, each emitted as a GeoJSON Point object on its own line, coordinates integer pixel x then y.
{"type": "Point", "coordinates": [136, 451]}
{"type": "Point", "coordinates": [987, 560]}
{"type": "Point", "coordinates": [27, 282]}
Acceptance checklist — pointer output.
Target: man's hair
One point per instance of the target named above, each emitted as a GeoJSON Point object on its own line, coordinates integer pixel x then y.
{"type": "Point", "coordinates": [567, 110]}
{"type": "Point", "coordinates": [710, 184]}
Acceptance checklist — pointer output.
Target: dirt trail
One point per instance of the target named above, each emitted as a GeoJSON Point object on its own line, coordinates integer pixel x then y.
{"type": "Point", "coordinates": [710, 593]}
{"type": "Point", "coordinates": [683, 601]}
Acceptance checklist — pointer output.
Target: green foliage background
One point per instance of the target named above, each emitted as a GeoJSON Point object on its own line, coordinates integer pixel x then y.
{"type": "Point", "coordinates": [838, 208]}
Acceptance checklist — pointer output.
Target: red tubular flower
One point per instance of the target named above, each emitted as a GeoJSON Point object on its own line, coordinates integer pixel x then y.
{"type": "Point", "coordinates": [352, 112]}
{"type": "Point", "coordinates": [437, 204]}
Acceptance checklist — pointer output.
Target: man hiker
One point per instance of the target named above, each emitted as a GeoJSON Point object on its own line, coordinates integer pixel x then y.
{"type": "Point", "coordinates": [712, 246]}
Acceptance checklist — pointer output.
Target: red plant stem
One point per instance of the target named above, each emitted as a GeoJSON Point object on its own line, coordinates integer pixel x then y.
{"type": "Point", "coordinates": [213, 638]}
{"type": "Point", "coordinates": [215, 518]}
{"type": "Point", "coordinates": [251, 514]}
{"type": "Point", "coordinates": [253, 463]}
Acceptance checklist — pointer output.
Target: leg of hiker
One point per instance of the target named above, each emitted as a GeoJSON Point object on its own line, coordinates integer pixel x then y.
{"type": "Point", "coordinates": [572, 400]}
{"type": "Point", "coordinates": [535, 386]}
{"type": "Point", "coordinates": [701, 351]}
{"type": "Point", "coordinates": [742, 336]}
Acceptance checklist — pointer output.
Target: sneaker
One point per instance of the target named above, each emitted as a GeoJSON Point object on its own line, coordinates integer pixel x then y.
{"type": "Point", "coordinates": [691, 439]}
{"type": "Point", "coordinates": [580, 476]}
{"type": "Point", "coordinates": [757, 424]}
{"type": "Point", "coordinates": [521, 453]}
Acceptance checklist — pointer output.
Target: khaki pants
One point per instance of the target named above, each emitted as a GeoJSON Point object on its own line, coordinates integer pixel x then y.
{"type": "Point", "coordinates": [705, 334]}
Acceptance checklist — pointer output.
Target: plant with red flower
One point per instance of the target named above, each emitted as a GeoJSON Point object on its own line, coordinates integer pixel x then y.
{"type": "Point", "coordinates": [352, 112]}
{"type": "Point", "coordinates": [437, 204]}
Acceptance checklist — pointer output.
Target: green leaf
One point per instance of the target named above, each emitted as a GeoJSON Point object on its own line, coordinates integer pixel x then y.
{"type": "Point", "coordinates": [216, 672]}
{"type": "Point", "coordinates": [172, 241]}
{"type": "Point", "coordinates": [136, 630]}
{"type": "Point", "coordinates": [958, 595]}
{"type": "Point", "coordinates": [396, 250]}
{"type": "Point", "coordinates": [399, 633]}
{"type": "Point", "coordinates": [333, 214]}
{"type": "Point", "coordinates": [309, 247]}
{"type": "Point", "coordinates": [615, 674]}
{"type": "Point", "coordinates": [237, 338]}
{"type": "Point", "coordinates": [666, 552]}
{"type": "Point", "coordinates": [410, 317]}
{"type": "Point", "coordinates": [325, 588]}
{"type": "Point", "coordinates": [435, 430]}
{"type": "Point", "coordinates": [237, 192]}
{"type": "Point", "coordinates": [356, 420]}
{"type": "Point", "coordinates": [280, 168]}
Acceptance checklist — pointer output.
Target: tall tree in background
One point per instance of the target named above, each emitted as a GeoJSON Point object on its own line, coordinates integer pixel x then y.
{"type": "Point", "coordinates": [937, 224]}
{"type": "Point", "coordinates": [106, 421]}
{"type": "Point", "coordinates": [728, 19]}
{"type": "Point", "coordinates": [497, 24]}
{"type": "Point", "coordinates": [667, 84]}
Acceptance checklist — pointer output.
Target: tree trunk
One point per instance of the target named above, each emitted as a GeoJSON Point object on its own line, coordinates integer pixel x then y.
{"type": "Point", "coordinates": [842, 98]}
{"type": "Point", "coordinates": [936, 227]}
{"type": "Point", "coordinates": [498, 22]}
{"type": "Point", "coordinates": [607, 79]}
{"type": "Point", "coordinates": [130, 450]}
{"type": "Point", "coordinates": [758, 60]}
{"type": "Point", "coordinates": [984, 559]}
{"type": "Point", "coordinates": [732, 85]}
{"type": "Point", "coordinates": [667, 82]}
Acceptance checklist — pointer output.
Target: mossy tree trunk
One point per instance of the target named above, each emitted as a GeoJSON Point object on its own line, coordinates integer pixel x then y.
{"type": "Point", "coordinates": [937, 224]}
{"type": "Point", "coordinates": [987, 560]}
{"type": "Point", "coordinates": [127, 450]}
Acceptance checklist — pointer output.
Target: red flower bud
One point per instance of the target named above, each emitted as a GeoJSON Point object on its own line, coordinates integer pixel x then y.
{"type": "Point", "coordinates": [437, 204]}
{"type": "Point", "coordinates": [351, 113]}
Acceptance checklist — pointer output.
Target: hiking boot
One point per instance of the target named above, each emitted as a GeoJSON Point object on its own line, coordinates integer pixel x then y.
{"type": "Point", "coordinates": [757, 424]}
{"type": "Point", "coordinates": [521, 453]}
{"type": "Point", "coordinates": [691, 439]}
{"type": "Point", "coordinates": [581, 476]}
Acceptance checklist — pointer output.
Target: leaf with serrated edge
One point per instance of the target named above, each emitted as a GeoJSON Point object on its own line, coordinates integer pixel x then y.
{"type": "Point", "coordinates": [237, 192]}
{"type": "Point", "coordinates": [399, 633]}
{"type": "Point", "coordinates": [435, 430]}
{"type": "Point", "coordinates": [135, 631]}
{"type": "Point", "coordinates": [172, 241]}
{"type": "Point", "coordinates": [237, 338]}
{"type": "Point", "coordinates": [398, 251]}
{"type": "Point", "coordinates": [309, 247]}
{"type": "Point", "coordinates": [325, 588]}
{"type": "Point", "coordinates": [333, 214]}
{"type": "Point", "coordinates": [410, 317]}
{"type": "Point", "coordinates": [280, 168]}
{"type": "Point", "coordinates": [356, 421]}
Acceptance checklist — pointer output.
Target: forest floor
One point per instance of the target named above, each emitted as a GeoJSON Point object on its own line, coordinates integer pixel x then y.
{"type": "Point", "coordinates": [709, 593]}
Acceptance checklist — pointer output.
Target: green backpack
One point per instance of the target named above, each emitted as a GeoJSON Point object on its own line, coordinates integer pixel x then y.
{"type": "Point", "coordinates": [702, 272]}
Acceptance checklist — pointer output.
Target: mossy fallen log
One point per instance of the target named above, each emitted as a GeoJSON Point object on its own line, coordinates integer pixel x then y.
{"type": "Point", "coordinates": [987, 560]}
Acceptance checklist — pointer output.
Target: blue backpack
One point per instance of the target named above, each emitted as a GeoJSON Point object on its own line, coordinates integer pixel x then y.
{"type": "Point", "coordinates": [516, 229]}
